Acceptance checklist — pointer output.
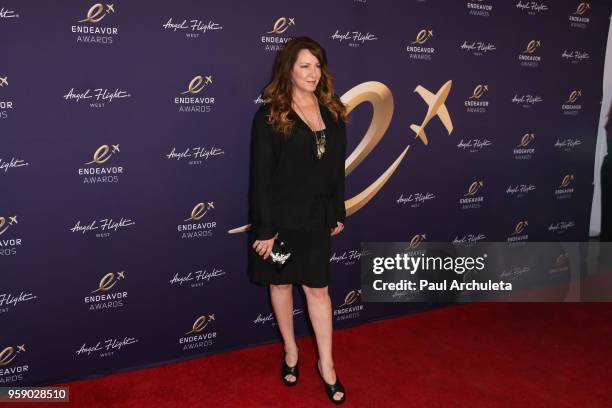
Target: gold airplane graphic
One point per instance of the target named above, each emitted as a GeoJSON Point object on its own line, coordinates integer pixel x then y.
{"type": "Point", "coordinates": [436, 108]}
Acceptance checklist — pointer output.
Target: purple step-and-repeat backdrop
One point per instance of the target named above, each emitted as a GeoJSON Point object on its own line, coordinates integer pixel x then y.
{"type": "Point", "coordinates": [125, 133]}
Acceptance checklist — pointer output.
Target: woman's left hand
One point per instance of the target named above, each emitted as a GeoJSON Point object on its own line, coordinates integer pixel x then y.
{"type": "Point", "coordinates": [338, 229]}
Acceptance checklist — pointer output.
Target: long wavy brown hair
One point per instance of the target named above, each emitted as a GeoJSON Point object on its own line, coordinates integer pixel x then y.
{"type": "Point", "coordinates": [278, 92]}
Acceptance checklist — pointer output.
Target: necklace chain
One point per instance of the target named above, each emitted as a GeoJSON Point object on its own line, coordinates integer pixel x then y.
{"type": "Point", "coordinates": [320, 140]}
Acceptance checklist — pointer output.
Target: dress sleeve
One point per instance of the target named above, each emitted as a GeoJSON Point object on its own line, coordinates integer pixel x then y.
{"type": "Point", "coordinates": [338, 195]}
{"type": "Point", "coordinates": [263, 163]}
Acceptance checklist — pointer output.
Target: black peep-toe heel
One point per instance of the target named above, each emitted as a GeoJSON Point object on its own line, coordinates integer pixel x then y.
{"type": "Point", "coordinates": [331, 389]}
{"type": "Point", "coordinates": [294, 371]}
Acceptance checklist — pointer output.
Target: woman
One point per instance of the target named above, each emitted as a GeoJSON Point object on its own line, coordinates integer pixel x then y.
{"type": "Point", "coordinates": [297, 194]}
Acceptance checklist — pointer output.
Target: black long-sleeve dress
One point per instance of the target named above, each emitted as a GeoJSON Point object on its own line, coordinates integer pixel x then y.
{"type": "Point", "coordinates": [297, 195]}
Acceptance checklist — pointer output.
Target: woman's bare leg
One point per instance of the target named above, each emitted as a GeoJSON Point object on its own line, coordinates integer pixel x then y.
{"type": "Point", "coordinates": [320, 312]}
{"type": "Point", "coordinates": [282, 303]}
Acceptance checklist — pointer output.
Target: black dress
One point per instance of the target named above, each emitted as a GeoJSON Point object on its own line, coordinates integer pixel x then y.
{"type": "Point", "coordinates": [297, 195]}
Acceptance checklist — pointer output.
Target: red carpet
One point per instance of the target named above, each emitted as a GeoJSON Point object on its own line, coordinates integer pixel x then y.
{"type": "Point", "coordinates": [474, 355]}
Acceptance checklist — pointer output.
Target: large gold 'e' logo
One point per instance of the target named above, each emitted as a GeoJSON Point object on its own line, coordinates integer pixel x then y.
{"type": "Point", "coordinates": [381, 98]}
{"type": "Point", "coordinates": [582, 8]}
{"type": "Point", "coordinates": [520, 227]}
{"type": "Point", "coordinates": [104, 153]}
{"type": "Point", "coordinates": [9, 353]}
{"type": "Point", "coordinates": [474, 188]}
{"type": "Point", "coordinates": [532, 46]}
{"type": "Point", "coordinates": [526, 139]}
{"type": "Point", "coordinates": [573, 97]}
{"type": "Point", "coordinates": [282, 24]}
{"type": "Point", "coordinates": [97, 12]}
{"type": "Point", "coordinates": [416, 241]}
{"type": "Point", "coordinates": [351, 297]}
{"type": "Point", "coordinates": [479, 91]}
{"type": "Point", "coordinates": [423, 36]}
{"type": "Point", "coordinates": [109, 280]}
{"type": "Point", "coordinates": [197, 84]}
{"type": "Point", "coordinates": [200, 323]}
{"type": "Point", "coordinates": [4, 225]}
{"type": "Point", "coordinates": [200, 210]}
{"type": "Point", "coordinates": [566, 180]}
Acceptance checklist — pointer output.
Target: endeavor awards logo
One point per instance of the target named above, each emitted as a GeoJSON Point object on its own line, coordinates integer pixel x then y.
{"type": "Point", "coordinates": [192, 101]}
{"type": "Point", "coordinates": [108, 294]}
{"type": "Point", "coordinates": [102, 228]}
{"type": "Point", "coordinates": [519, 233]}
{"type": "Point", "coordinates": [191, 27]}
{"type": "Point", "coordinates": [351, 308]}
{"type": "Point", "coordinates": [473, 198]}
{"type": "Point", "coordinates": [194, 226]}
{"type": "Point", "coordinates": [274, 39]}
{"type": "Point", "coordinates": [12, 369]}
{"type": "Point", "coordinates": [93, 28]}
{"type": "Point", "coordinates": [196, 279]}
{"type": "Point", "coordinates": [9, 301]}
{"type": "Point", "coordinates": [565, 189]}
{"type": "Point", "coordinates": [197, 337]}
{"type": "Point", "coordinates": [9, 241]}
{"type": "Point", "coordinates": [529, 57]}
{"type": "Point", "coordinates": [414, 248]}
{"type": "Point", "coordinates": [560, 266]}
{"type": "Point", "coordinates": [580, 17]}
{"type": "Point", "coordinates": [532, 8]}
{"type": "Point", "coordinates": [195, 155]}
{"type": "Point", "coordinates": [525, 149]}
{"type": "Point", "coordinates": [420, 48]}
{"type": "Point", "coordinates": [6, 106]}
{"type": "Point", "coordinates": [571, 106]}
{"type": "Point", "coordinates": [99, 169]}
{"type": "Point", "coordinates": [477, 102]}
{"type": "Point", "coordinates": [480, 8]}
{"type": "Point", "coordinates": [95, 98]}
{"type": "Point", "coordinates": [353, 39]}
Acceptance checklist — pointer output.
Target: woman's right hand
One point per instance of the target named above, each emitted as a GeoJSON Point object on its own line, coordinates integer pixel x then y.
{"type": "Point", "coordinates": [264, 247]}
